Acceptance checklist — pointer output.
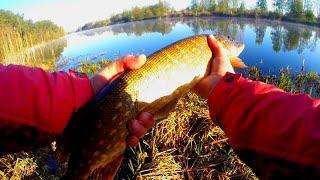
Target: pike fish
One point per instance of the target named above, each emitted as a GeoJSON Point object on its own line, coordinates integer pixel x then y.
{"type": "Point", "coordinates": [96, 134]}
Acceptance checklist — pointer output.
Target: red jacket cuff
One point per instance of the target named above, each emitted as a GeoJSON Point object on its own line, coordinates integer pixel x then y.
{"type": "Point", "coordinates": [218, 97]}
{"type": "Point", "coordinates": [82, 88]}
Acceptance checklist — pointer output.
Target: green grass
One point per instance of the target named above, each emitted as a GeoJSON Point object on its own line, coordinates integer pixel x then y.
{"type": "Point", "coordinates": [91, 68]}
{"type": "Point", "coordinates": [300, 82]}
{"type": "Point", "coordinates": [185, 145]}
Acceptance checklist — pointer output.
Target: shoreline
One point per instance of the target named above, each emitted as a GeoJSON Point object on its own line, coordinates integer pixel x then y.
{"type": "Point", "coordinates": [218, 15]}
{"type": "Point", "coordinates": [251, 16]}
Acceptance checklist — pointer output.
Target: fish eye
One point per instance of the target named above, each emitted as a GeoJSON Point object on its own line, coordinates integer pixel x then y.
{"type": "Point", "coordinates": [228, 37]}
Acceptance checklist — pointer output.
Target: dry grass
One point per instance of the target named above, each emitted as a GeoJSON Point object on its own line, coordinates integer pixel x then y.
{"type": "Point", "coordinates": [17, 166]}
{"type": "Point", "coordinates": [186, 145]}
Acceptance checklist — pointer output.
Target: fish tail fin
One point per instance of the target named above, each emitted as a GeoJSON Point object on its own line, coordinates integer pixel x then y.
{"type": "Point", "coordinates": [236, 62]}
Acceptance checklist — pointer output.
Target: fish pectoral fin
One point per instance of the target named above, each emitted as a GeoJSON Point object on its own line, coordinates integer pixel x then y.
{"type": "Point", "coordinates": [165, 110]}
{"type": "Point", "coordinates": [237, 62]}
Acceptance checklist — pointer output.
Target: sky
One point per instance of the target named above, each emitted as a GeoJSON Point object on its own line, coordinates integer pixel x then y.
{"type": "Point", "coordinates": [72, 14]}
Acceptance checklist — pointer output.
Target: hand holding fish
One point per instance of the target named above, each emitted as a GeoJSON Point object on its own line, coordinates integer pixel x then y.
{"type": "Point", "coordinates": [155, 88]}
{"type": "Point", "coordinates": [139, 126]}
{"type": "Point", "coordinates": [113, 70]}
{"type": "Point", "coordinates": [219, 66]}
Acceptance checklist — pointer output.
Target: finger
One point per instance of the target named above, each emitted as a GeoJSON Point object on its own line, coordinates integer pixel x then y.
{"type": "Point", "coordinates": [109, 72]}
{"type": "Point", "coordinates": [132, 141]}
{"type": "Point", "coordinates": [128, 62]}
{"type": "Point", "coordinates": [215, 46]}
{"type": "Point", "coordinates": [134, 62]}
{"type": "Point", "coordinates": [146, 119]}
{"type": "Point", "coordinates": [136, 128]}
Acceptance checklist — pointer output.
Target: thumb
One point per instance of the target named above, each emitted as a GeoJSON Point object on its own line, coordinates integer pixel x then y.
{"type": "Point", "coordinates": [215, 46]}
{"type": "Point", "coordinates": [110, 72]}
{"type": "Point", "coordinates": [133, 62]}
{"type": "Point", "coordinates": [221, 65]}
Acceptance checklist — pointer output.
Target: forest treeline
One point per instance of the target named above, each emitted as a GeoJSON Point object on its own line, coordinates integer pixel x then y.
{"type": "Point", "coordinates": [17, 34]}
{"type": "Point", "coordinates": [301, 11]}
{"type": "Point", "coordinates": [161, 9]}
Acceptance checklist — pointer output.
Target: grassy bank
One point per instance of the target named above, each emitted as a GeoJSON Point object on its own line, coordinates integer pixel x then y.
{"type": "Point", "coordinates": [185, 145]}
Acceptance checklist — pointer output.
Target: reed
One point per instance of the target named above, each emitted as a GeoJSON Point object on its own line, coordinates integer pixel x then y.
{"type": "Point", "coordinates": [17, 50]}
{"type": "Point", "coordinates": [17, 35]}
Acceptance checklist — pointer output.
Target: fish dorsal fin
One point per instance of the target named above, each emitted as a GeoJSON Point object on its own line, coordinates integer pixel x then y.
{"type": "Point", "coordinates": [236, 62]}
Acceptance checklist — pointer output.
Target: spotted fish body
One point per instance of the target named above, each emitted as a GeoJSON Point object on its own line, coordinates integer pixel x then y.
{"type": "Point", "coordinates": [97, 133]}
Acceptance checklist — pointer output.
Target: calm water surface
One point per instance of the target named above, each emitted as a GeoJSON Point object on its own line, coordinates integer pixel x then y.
{"type": "Point", "coordinates": [270, 45]}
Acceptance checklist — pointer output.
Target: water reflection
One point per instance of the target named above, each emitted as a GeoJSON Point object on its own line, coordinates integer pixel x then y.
{"type": "Point", "coordinates": [271, 45]}
{"type": "Point", "coordinates": [43, 56]}
{"type": "Point", "coordinates": [276, 37]}
{"type": "Point", "coordinates": [140, 28]}
{"type": "Point", "coordinates": [284, 36]}
{"type": "Point", "coordinates": [260, 32]}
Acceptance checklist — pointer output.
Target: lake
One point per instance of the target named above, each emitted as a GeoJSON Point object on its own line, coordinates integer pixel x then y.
{"type": "Point", "coordinates": [270, 45]}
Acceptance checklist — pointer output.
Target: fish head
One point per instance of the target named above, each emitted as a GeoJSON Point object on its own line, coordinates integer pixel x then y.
{"type": "Point", "coordinates": [231, 48]}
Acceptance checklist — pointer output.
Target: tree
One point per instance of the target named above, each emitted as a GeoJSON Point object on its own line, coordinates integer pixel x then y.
{"type": "Point", "coordinates": [223, 6]}
{"type": "Point", "coordinates": [295, 8]}
{"type": "Point", "coordinates": [317, 4]}
{"type": "Point", "coordinates": [291, 39]}
{"type": "Point", "coordinates": [309, 11]}
{"type": "Point", "coordinates": [161, 9]}
{"type": "Point", "coordinates": [242, 8]}
{"type": "Point", "coordinates": [194, 4]}
{"type": "Point", "coordinates": [211, 5]}
{"type": "Point", "coordinates": [276, 38]}
{"type": "Point", "coordinates": [260, 32]}
{"type": "Point", "coordinates": [148, 13]}
{"type": "Point", "coordinates": [137, 13]}
{"type": "Point", "coordinates": [308, 5]}
{"type": "Point", "coordinates": [262, 5]}
{"type": "Point", "coordinates": [203, 6]}
{"type": "Point", "coordinates": [235, 4]}
{"type": "Point", "coordinates": [279, 5]}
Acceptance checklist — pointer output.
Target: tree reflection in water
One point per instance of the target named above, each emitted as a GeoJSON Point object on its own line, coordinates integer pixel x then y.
{"type": "Point", "coordinates": [284, 36]}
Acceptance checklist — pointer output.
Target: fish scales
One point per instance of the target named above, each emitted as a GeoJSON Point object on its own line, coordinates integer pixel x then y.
{"type": "Point", "coordinates": [97, 133]}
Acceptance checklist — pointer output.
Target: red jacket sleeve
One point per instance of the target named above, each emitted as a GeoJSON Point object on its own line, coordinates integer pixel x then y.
{"type": "Point", "coordinates": [35, 98]}
{"type": "Point", "coordinates": [264, 119]}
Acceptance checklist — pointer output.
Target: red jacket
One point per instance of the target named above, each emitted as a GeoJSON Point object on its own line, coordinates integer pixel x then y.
{"type": "Point", "coordinates": [261, 121]}
{"type": "Point", "coordinates": [272, 131]}
{"type": "Point", "coordinates": [36, 105]}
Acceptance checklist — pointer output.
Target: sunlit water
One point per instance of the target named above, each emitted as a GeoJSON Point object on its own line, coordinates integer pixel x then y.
{"type": "Point", "coordinates": [270, 45]}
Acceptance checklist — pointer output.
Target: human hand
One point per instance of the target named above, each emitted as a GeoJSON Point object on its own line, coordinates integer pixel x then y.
{"type": "Point", "coordinates": [138, 126]}
{"type": "Point", "coordinates": [113, 70]}
{"type": "Point", "coordinates": [220, 65]}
